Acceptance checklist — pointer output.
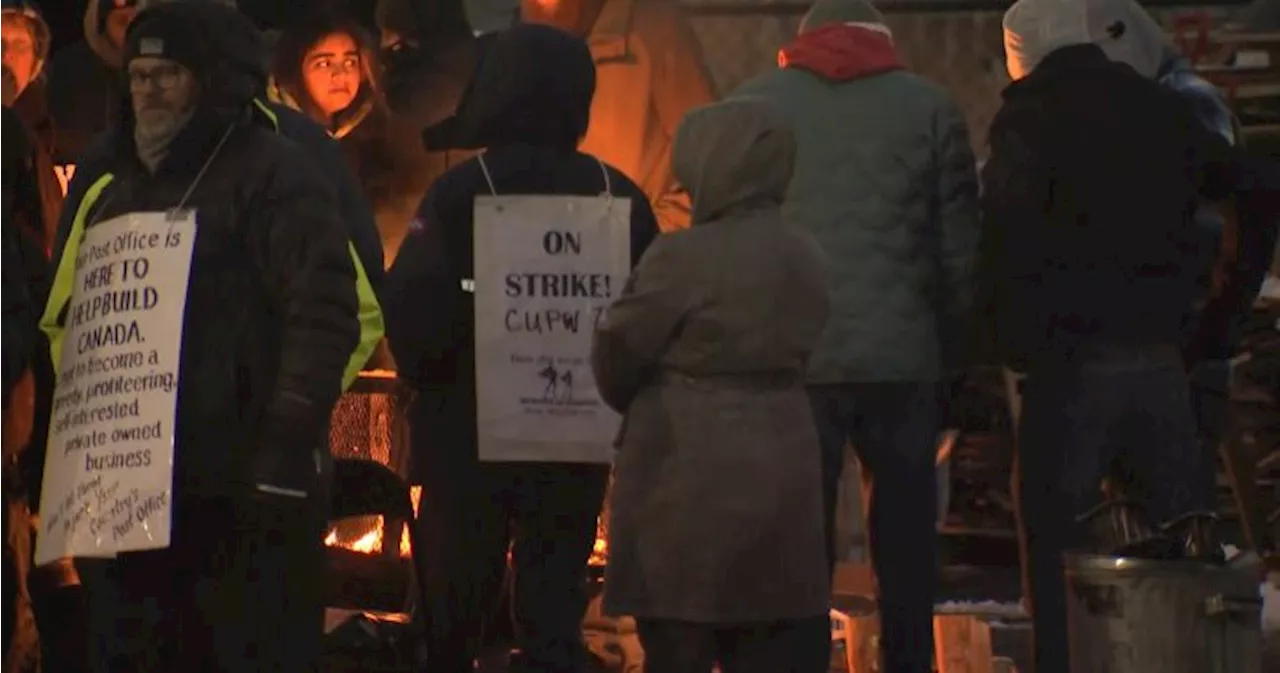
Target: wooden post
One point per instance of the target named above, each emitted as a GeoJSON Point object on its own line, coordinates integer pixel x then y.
{"type": "Point", "coordinates": [962, 644]}
{"type": "Point", "coordinates": [858, 651]}
{"type": "Point", "coordinates": [614, 640]}
{"type": "Point", "coordinates": [850, 523]}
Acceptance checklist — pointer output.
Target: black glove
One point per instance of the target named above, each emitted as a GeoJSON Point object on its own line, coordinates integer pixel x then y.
{"type": "Point", "coordinates": [286, 461]}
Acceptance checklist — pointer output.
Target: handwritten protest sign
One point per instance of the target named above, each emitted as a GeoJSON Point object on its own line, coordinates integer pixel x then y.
{"type": "Point", "coordinates": [109, 469]}
{"type": "Point", "coordinates": [546, 269]}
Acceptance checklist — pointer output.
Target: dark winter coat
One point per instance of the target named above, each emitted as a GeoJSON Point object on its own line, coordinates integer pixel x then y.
{"type": "Point", "coordinates": [1090, 195]}
{"type": "Point", "coordinates": [84, 89]}
{"type": "Point", "coordinates": [538, 84]}
{"type": "Point", "coordinates": [271, 315]}
{"type": "Point", "coordinates": [39, 126]}
{"type": "Point", "coordinates": [239, 38]}
{"type": "Point", "coordinates": [718, 475]}
{"type": "Point", "coordinates": [27, 399]}
{"type": "Point", "coordinates": [25, 268]}
{"type": "Point", "coordinates": [26, 285]}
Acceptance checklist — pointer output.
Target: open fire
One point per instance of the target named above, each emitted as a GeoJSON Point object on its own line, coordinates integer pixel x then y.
{"type": "Point", "coordinates": [365, 534]}
{"type": "Point", "coordinates": [370, 541]}
{"type": "Point", "coordinates": [368, 425]}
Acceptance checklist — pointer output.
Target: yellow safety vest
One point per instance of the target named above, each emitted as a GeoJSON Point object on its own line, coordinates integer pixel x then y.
{"type": "Point", "coordinates": [370, 313]}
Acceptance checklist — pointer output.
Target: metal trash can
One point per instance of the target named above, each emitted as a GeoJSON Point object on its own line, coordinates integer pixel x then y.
{"type": "Point", "coordinates": [1129, 615]}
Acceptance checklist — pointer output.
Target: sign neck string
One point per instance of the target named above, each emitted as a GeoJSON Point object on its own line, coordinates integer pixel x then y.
{"type": "Point", "coordinates": [195, 182]}
{"type": "Point", "coordinates": [493, 190]}
{"type": "Point", "coordinates": [172, 215]}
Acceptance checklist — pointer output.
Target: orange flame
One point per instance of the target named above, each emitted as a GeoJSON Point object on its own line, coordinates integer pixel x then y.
{"type": "Point", "coordinates": [371, 541]}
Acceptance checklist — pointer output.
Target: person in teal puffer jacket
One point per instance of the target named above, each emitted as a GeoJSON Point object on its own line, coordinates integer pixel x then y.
{"type": "Point", "coordinates": [885, 179]}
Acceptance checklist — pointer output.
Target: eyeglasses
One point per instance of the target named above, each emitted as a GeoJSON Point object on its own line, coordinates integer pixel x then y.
{"type": "Point", "coordinates": [163, 77]}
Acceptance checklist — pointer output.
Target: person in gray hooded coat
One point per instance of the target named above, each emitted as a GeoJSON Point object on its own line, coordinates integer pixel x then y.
{"type": "Point", "coordinates": [716, 531]}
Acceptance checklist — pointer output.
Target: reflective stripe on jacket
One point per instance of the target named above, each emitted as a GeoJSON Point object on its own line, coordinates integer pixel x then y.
{"type": "Point", "coordinates": [51, 322]}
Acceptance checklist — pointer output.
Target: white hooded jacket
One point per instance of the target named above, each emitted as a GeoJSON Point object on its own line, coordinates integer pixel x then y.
{"type": "Point", "coordinates": [1122, 28]}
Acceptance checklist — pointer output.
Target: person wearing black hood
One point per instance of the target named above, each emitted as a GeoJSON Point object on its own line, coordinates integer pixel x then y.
{"type": "Point", "coordinates": [25, 279]}
{"type": "Point", "coordinates": [84, 80]}
{"type": "Point", "coordinates": [532, 100]}
{"type": "Point", "coordinates": [430, 55]}
{"type": "Point", "coordinates": [270, 323]}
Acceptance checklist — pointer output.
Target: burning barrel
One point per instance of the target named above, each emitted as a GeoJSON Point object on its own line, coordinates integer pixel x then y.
{"type": "Point", "coordinates": [369, 555]}
{"type": "Point", "coordinates": [370, 422]}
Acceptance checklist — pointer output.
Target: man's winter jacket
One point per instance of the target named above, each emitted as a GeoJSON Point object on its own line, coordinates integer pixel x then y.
{"type": "Point", "coordinates": [271, 316]}
{"type": "Point", "coordinates": [886, 181]}
{"type": "Point", "coordinates": [530, 116]}
{"type": "Point", "coordinates": [241, 40]}
{"type": "Point", "coordinates": [1234, 269]}
{"type": "Point", "coordinates": [24, 263]}
{"type": "Point", "coordinates": [1090, 196]}
{"type": "Point", "coordinates": [26, 286]}
{"type": "Point", "coordinates": [19, 308]}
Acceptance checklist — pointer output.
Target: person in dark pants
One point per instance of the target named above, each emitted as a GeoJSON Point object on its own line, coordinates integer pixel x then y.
{"type": "Point", "coordinates": [546, 515]}
{"type": "Point", "coordinates": [245, 44]}
{"type": "Point", "coordinates": [1092, 255]}
{"type": "Point", "coordinates": [25, 279]}
{"type": "Point", "coordinates": [529, 106]}
{"type": "Point", "coordinates": [894, 429]}
{"type": "Point", "coordinates": [271, 323]}
{"type": "Point", "coordinates": [1105, 404]}
{"type": "Point", "coordinates": [886, 181]}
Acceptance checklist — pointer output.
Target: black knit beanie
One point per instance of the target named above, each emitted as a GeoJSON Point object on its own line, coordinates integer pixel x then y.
{"type": "Point", "coordinates": [175, 36]}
